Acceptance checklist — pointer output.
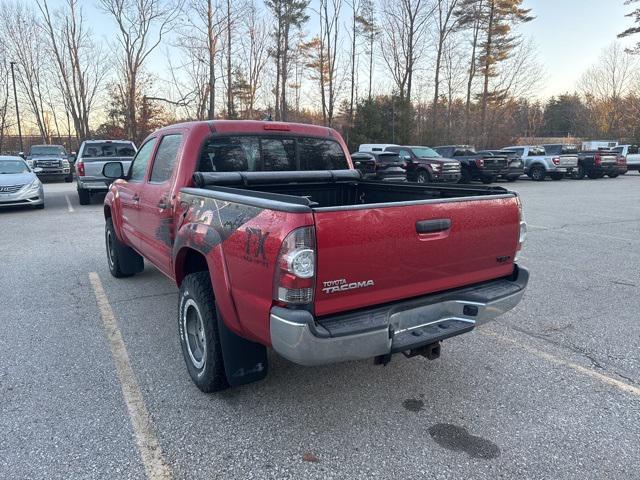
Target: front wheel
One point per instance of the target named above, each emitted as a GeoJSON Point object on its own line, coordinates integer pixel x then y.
{"type": "Point", "coordinates": [423, 177]}
{"type": "Point", "coordinates": [123, 260]}
{"type": "Point", "coordinates": [465, 176]}
{"type": "Point", "coordinates": [578, 173]}
{"type": "Point", "coordinates": [199, 334]}
{"type": "Point", "coordinates": [488, 180]}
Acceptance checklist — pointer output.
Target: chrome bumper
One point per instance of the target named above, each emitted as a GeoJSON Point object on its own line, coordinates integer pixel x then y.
{"type": "Point", "coordinates": [299, 337]}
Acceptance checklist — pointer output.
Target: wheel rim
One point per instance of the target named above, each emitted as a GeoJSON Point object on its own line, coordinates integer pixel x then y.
{"type": "Point", "coordinates": [110, 251]}
{"type": "Point", "coordinates": [195, 339]}
{"type": "Point", "coordinates": [421, 178]}
{"type": "Point", "coordinates": [537, 174]}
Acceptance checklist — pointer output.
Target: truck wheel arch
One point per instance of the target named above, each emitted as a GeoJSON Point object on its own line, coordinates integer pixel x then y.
{"type": "Point", "coordinates": [188, 260]}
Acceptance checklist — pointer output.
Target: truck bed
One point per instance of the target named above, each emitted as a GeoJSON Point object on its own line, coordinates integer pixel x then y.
{"type": "Point", "coordinates": [334, 190]}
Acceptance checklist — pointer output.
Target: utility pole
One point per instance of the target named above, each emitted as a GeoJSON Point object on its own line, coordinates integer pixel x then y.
{"type": "Point", "coordinates": [15, 97]}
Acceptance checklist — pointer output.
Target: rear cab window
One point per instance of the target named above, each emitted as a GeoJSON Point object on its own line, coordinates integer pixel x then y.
{"type": "Point", "coordinates": [536, 152]}
{"type": "Point", "coordinates": [253, 153]}
{"type": "Point", "coordinates": [108, 150]}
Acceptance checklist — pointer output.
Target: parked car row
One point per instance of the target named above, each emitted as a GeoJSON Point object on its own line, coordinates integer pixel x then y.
{"type": "Point", "coordinates": [463, 164]}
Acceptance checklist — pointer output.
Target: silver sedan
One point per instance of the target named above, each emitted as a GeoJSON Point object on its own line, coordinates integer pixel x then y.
{"type": "Point", "coordinates": [19, 184]}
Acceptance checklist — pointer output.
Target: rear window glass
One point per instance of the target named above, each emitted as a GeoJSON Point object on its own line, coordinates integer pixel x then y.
{"type": "Point", "coordinates": [536, 152]}
{"type": "Point", "coordinates": [108, 149]}
{"type": "Point", "coordinates": [260, 153]}
{"type": "Point", "coordinates": [632, 150]}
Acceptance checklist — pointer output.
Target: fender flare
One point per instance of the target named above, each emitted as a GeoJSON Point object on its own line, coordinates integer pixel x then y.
{"type": "Point", "coordinates": [211, 249]}
{"type": "Point", "coordinates": [111, 209]}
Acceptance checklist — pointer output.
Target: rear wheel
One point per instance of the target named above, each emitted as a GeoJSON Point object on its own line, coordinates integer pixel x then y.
{"type": "Point", "coordinates": [423, 177]}
{"type": "Point", "coordinates": [199, 334]}
{"type": "Point", "coordinates": [538, 173]}
{"type": "Point", "coordinates": [84, 197]}
{"type": "Point", "coordinates": [69, 178]}
{"type": "Point", "coordinates": [123, 260]}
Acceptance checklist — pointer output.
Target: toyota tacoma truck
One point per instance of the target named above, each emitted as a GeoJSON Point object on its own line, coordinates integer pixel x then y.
{"type": "Point", "coordinates": [275, 241]}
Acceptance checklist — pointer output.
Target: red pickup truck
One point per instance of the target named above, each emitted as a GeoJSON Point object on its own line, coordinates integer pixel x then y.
{"type": "Point", "coordinates": [276, 241]}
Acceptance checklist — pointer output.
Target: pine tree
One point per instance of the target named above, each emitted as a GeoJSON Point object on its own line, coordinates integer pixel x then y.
{"type": "Point", "coordinates": [635, 29]}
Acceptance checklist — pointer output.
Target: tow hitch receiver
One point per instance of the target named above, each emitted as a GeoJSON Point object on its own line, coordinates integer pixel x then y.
{"type": "Point", "coordinates": [430, 352]}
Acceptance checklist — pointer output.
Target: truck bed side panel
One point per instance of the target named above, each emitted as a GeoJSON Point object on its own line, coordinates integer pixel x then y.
{"type": "Point", "coordinates": [380, 256]}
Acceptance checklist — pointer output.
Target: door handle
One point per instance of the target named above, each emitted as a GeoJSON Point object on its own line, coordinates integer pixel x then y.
{"type": "Point", "coordinates": [432, 226]}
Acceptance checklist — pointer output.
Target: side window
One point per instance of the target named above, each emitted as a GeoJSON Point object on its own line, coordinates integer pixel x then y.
{"type": "Point", "coordinates": [404, 154]}
{"type": "Point", "coordinates": [278, 154]}
{"type": "Point", "coordinates": [141, 160]}
{"type": "Point", "coordinates": [458, 153]}
{"type": "Point", "coordinates": [632, 150]}
{"type": "Point", "coordinates": [230, 154]}
{"type": "Point", "coordinates": [165, 158]}
{"type": "Point", "coordinates": [319, 154]}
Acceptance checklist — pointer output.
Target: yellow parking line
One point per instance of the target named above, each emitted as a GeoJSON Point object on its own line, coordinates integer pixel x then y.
{"type": "Point", "coordinates": [606, 379]}
{"type": "Point", "coordinates": [149, 449]}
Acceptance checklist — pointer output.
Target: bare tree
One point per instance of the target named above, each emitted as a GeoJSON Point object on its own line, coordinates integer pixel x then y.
{"type": "Point", "coordinates": [23, 39]}
{"type": "Point", "coordinates": [5, 79]}
{"type": "Point", "coordinates": [80, 66]}
{"type": "Point", "coordinates": [403, 40]}
{"type": "Point", "coordinates": [446, 23]}
{"type": "Point", "coordinates": [611, 79]}
{"type": "Point", "coordinates": [142, 25]}
{"type": "Point", "coordinates": [368, 29]}
{"type": "Point", "coordinates": [254, 52]}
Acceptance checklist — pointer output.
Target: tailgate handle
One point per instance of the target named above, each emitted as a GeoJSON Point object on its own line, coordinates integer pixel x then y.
{"type": "Point", "coordinates": [432, 226]}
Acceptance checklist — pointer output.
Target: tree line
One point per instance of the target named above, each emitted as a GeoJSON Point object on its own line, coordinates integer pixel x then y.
{"type": "Point", "coordinates": [402, 71]}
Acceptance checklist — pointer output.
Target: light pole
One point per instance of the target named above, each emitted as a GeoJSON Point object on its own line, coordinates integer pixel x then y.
{"type": "Point", "coordinates": [15, 97]}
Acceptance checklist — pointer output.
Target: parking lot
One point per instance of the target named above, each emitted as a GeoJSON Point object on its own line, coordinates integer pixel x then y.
{"type": "Point", "coordinates": [549, 390]}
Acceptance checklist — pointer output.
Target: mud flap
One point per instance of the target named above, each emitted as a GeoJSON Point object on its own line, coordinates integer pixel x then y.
{"type": "Point", "coordinates": [244, 361]}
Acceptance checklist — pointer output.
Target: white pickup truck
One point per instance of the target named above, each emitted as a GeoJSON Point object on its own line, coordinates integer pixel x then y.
{"type": "Point", "coordinates": [631, 153]}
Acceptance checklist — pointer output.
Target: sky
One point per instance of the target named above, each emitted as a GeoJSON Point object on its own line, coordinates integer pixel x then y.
{"type": "Point", "coordinates": [571, 35]}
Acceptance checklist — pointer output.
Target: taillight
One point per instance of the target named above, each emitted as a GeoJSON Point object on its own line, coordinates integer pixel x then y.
{"type": "Point", "coordinates": [522, 234]}
{"type": "Point", "coordinates": [80, 169]}
{"type": "Point", "coordinates": [622, 160]}
{"type": "Point", "coordinates": [480, 162]}
{"type": "Point", "coordinates": [556, 160]}
{"type": "Point", "coordinates": [597, 159]}
{"type": "Point", "coordinates": [294, 279]}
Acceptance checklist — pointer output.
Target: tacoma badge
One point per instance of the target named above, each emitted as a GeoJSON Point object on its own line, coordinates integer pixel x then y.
{"type": "Point", "coordinates": [333, 286]}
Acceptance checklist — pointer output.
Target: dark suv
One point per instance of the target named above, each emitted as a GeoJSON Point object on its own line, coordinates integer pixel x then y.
{"type": "Point", "coordinates": [425, 165]}
{"type": "Point", "coordinates": [383, 166]}
{"type": "Point", "coordinates": [475, 166]}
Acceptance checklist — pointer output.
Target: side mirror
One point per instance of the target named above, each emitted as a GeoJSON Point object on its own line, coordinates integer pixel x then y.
{"type": "Point", "coordinates": [37, 170]}
{"type": "Point", "coordinates": [113, 170]}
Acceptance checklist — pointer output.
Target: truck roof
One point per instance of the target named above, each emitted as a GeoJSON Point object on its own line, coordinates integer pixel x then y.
{"type": "Point", "coordinates": [257, 126]}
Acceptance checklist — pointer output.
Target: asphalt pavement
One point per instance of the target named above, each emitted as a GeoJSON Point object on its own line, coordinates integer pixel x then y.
{"type": "Point", "coordinates": [551, 390]}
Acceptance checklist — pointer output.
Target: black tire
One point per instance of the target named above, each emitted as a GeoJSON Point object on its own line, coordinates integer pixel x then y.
{"type": "Point", "coordinates": [578, 173]}
{"type": "Point", "coordinates": [465, 176]}
{"type": "Point", "coordinates": [84, 197]}
{"type": "Point", "coordinates": [512, 178]}
{"type": "Point", "coordinates": [488, 180]}
{"type": "Point", "coordinates": [123, 260]}
{"type": "Point", "coordinates": [556, 176]}
{"type": "Point", "coordinates": [538, 173]}
{"type": "Point", "coordinates": [593, 175]}
{"type": "Point", "coordinates": [423, 176]}
{"type": "Point", "coordinates": [613, 175]}
{"type": "Point", "coordinates": [69, 178]}
{"type": "Point", "coordinates": [199, 335]}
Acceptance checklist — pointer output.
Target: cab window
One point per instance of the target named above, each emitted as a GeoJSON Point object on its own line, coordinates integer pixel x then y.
{"type": "Point", "coordinates": [165, 158]}
{"type": "Point", "coordinates": [140, 161]}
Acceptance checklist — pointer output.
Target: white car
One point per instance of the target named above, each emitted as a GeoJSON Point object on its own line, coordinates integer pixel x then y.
{"type": "Point", "coordinates": [19, 184]}
{"type": "Point", "coordinates": [631, 153]}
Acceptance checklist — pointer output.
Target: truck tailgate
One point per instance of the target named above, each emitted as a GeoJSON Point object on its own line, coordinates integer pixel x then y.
{"type": "Point", "coordinates": [93, 166]}
{"type": "Point", "coordinates": [369, 256]}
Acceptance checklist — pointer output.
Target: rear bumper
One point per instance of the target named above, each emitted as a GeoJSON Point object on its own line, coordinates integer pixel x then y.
{"type": "Point", "coordinates": [93, 184]}
{"type": "Point", "coordinates": [396, 327]}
